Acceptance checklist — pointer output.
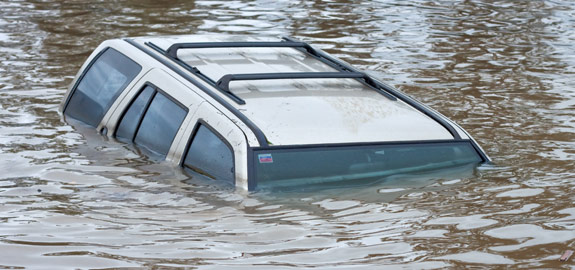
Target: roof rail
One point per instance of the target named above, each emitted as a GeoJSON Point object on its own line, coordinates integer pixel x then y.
{"type": "Point", "coordinates": [224, 82]}
{"type": "Point", "coordinates": [173, 50]}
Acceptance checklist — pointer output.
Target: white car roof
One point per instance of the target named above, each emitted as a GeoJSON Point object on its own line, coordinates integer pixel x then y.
{"type": "Point", "coordinates": [305, 111]}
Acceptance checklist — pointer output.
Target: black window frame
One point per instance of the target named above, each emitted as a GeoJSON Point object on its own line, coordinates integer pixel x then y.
{"type": "Point", "coordinates": [156, 90]}
{"type": "Point", "coordinates": [199, 123]}
{"type": "Point", "coordinates": [85, 71]}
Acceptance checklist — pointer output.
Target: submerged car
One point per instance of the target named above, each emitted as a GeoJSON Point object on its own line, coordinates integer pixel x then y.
{"type": "Point", "coordinates": [259, 112]}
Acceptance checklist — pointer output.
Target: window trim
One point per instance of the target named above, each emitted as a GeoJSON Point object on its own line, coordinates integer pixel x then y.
{"type": "Point", "coordinates": [85, 71]}
{"type": "Point", "coordinates": [202, 122]}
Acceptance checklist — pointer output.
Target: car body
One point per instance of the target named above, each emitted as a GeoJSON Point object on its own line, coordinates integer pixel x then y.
{"type": "Point", "coordinates": [259, 112]}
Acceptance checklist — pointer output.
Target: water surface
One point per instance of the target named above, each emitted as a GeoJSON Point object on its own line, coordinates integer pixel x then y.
{"type": "Point", "coordinates": [70, 198]}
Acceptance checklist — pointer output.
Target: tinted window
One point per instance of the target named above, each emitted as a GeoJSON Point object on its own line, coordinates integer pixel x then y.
{"type": "Point", "coordinates": [100, 86]}
{"type": "Point", "coordinates": [333, 165]}
{"type": "Point", "coordinates": [131, 120]}
{"type": "Point", "coordinates": [160, 125]}
{"type": "Point", "coordinates": [151, 121]}
{"type": "Point", "coordinates": [210, 156]}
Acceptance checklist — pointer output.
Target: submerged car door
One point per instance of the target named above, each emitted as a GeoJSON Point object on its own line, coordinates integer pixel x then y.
{"type": "Point", "coordinates": [214, 146]}
{"type": "Point", "coordinates": [153, 113]}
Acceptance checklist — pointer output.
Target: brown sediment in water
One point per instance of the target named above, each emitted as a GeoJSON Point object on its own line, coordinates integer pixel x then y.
{"type": "Point", "coordinates": [501, 70]}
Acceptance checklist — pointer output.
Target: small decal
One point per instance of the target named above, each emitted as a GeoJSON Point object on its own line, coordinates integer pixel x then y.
{"type": "Point", "coordinates": [265, 158]}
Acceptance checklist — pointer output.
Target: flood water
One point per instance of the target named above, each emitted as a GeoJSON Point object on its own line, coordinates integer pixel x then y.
{"type": "Point", "coordinates": [70, 198]}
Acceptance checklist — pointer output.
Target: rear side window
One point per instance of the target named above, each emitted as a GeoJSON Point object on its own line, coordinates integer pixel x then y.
{"type": "Point", "coordinates": [151, 121]}
{"type": "Point", "coordinates": [99, 87]}
{"type": "Point", "coordinates": [210, 155]}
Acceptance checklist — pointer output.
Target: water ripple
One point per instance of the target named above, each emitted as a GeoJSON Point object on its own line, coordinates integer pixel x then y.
{"type": "Point", "coordinates": [70, 198]}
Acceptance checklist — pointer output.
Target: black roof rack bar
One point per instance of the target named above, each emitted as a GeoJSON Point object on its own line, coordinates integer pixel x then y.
{"type": "Point", "coordinates": [224, 82]}
{"type": "Point", "coordinates": [173, 50]}
{"type": "Point", "coordinates": [340, 65]}
{"type": "Point", "coordinates": [260, 136]}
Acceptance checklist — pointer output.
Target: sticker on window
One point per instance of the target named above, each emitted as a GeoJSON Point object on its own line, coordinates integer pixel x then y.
{"type": "Point", "coordinates": [265, 158]}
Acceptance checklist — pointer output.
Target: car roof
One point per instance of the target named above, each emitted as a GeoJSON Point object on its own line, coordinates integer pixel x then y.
{"type": "Point", "coordinates": [302, 111]}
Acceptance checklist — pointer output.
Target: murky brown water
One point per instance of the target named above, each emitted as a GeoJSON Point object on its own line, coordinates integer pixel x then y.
{"type": "Point", "coordinates": [502, 69]}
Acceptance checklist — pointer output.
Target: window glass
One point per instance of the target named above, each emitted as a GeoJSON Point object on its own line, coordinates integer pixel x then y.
{"type": "Point", "coordinates": [160, 125]}
{"type": "Point", "coordinates": [127, 128]}
{"type": "Point", "coordinates": [100, 86]}
{"type": "Point", "coordinates": [209, 155]}
{"type": "Point", "coordinates": [333, 165]}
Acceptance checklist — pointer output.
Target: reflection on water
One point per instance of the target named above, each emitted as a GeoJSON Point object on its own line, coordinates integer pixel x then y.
{"type": "Point", "coordinates": [71, 199]}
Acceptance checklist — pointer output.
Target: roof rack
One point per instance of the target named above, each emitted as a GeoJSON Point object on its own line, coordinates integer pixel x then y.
{"type": "Point", "coordinates": [172, 53]}
{"type": "Point", "coordinates": [339, 65]}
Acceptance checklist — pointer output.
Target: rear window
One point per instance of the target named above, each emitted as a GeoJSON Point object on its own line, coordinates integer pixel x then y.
{"type": "Point", "coordinates": [152, 122]}
{"type": "Point", "coordinates": [99, 87]}
{"type": "Point", "coordinates": [324, 165]}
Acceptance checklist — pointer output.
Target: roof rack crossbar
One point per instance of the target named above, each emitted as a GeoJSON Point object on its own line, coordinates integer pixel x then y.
{"type": "Point", "coordinates": [224, 82]}
{"type": "Point", "coordinates": [173, 50]}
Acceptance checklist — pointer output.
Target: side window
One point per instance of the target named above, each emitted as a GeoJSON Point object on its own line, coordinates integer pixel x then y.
{"type": "Point", "coordinates": [99, 87]}
{"type": "Point", "coordinates": [210, 155]}
{"type": "Point", "coordinates": [132, 118]}
{"type": "Point", "coordinates": [152, 121]}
